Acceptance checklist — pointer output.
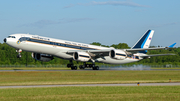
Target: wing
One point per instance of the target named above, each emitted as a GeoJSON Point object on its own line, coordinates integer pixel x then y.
{"type": "Point", "coordinates": [105, 52]}
{"type": "Point", "coordinates": [93, 53]}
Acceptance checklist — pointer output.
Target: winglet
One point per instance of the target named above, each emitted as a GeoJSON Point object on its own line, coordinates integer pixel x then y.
{"type": "Point", "coordinates": [171, 46]}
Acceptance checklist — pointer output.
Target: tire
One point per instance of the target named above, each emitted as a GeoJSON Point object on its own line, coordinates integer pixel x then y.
{"type": "Point", "coordinates": [72, 68]}
{"type": "Point", "coordinates": [19, 56]}
{"type": "Point", "coordinates": [75, 67]}
{"type": "Point", "coordinates": [80, 67]}
{"type": "Point", "coordinates": [97, 67]}
{"type": "Point", "coordinates": [69, 65]}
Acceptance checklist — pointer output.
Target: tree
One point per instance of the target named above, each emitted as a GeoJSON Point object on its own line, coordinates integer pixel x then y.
{"type": "Point", "coordinates": [120, 46]}
{"type": "Point", "coordinates": [8, 56]}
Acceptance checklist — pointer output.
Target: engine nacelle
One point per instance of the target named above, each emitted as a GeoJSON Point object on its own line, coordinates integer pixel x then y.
{"type": "Point", "coordinates": [81, 56]}
{"type": "Point", "coordinates": [118, 54]}
{"type": "Point", "coordinates": [42, 57]}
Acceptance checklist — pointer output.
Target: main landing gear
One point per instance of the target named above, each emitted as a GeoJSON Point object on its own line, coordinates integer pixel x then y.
{"type": "Point", "coordinates": [89, 66]}
{"type": "Point", "coordinates": [71, 65]}
{"type": "Point", "coordinates": [19, 53]}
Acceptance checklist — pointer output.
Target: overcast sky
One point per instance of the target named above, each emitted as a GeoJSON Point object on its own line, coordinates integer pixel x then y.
{"type": "Point", "coordinates": [105, 21]}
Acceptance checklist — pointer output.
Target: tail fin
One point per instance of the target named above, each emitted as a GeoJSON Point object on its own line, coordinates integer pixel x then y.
{"type": "Point", "coordinates": [145, 40]}
{"type": "Point", "coordinates": [171, 46]}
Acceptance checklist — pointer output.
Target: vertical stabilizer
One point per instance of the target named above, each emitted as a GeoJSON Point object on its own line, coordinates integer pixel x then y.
{"type": "Point", "coordinates": [145, 40]}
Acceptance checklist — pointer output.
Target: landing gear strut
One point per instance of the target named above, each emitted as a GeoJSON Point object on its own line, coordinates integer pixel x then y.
{"type": "Point", "coordinates": [19, 53]}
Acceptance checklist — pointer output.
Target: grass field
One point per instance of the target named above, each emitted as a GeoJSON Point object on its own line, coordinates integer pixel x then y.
{"type": "Point", "coordinates": [34, 68]}
{"type": "Point", "coordinates": [136, 93]}
{"type": "Point", "coordinates": [65, 68]}
{"type": "Point", "coordinates": [86, 77]}
{"type": "Point", "coordinates": [105, 93]}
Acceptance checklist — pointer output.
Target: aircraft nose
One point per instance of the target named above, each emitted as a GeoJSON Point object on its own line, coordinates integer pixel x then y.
{"type": "Point", "coordinates": [5, 40]}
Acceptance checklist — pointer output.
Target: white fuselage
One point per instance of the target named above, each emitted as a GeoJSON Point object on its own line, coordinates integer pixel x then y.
{"type": "Point", "coordinates": [58, 48]}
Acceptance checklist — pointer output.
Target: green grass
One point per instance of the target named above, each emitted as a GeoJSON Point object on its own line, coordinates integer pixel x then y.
{"type": "Point", "coordinates": [65, 68]}
{"type": "Point", "coordinates": [166, 68]}
{"type": "Point", "coordinates": [135, 93]}
{"type": "Point", "coordinates": [119, 93]}
{"type": "Point", "coordinates": [34, 68]}
{"type": "Point", "coordinates": [86, 77]}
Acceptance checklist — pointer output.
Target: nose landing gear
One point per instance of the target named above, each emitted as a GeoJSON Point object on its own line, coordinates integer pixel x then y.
{"type": "Point", "coordinates": [19, 53]}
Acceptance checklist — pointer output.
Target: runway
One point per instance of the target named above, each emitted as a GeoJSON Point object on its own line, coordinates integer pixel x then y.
{"type": "Point", "coordinates": [92, 85]}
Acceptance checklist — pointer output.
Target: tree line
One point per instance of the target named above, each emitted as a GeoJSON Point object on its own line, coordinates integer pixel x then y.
{"type": "Point", "coordinates": [8, 56]}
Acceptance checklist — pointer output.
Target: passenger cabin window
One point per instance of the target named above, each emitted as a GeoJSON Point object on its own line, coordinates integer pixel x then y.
{"type": "Point", "coordinates": [11, 37]}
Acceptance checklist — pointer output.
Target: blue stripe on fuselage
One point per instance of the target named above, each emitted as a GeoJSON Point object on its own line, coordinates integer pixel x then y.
{"type": "Point", "coordinates": [56, 43]}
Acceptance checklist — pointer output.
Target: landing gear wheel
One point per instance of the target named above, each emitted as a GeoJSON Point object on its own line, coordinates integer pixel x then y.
{"type": "Point", "coordinates": [74, 68]}
{"type": "Point", "coordinates": [69, 65]}
{"type": "Point", "coordinates": [19, 53]}
{"type": "Point", "coordinates": [19, 56]}
{"type": "Point", "coordinates": [96, 68]}
{"type": "Point", "coordinates": [81, 67]}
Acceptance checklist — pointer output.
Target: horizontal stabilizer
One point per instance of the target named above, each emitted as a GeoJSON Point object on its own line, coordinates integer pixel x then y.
{"type": "Point", "coordinates": [143, 49]}
{"type": "Point", "coordinates": [156, 55]}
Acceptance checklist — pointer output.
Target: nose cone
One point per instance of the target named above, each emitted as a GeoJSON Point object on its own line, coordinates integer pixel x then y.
{"type": "Point", "coordinates": [5, 40]}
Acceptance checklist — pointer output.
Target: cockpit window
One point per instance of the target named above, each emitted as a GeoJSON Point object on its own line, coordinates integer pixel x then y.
{"type": "Point", "coordinates": [11, 37]}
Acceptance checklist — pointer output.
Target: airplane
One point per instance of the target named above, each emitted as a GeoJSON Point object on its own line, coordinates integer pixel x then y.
{"type": "Point", "coordinates": [45, 48]}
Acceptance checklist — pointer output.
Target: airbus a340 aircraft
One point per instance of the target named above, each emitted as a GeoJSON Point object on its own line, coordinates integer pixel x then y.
{"type": "Point", "coordinates": [44, 49]}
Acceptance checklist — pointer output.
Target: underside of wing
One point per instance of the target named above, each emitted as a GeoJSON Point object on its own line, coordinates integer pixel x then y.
{"type": "Point", "coordinates": [93, 53]}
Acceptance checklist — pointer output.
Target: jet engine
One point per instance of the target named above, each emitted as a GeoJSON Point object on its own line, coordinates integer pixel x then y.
{"type": "Point", "coordinates": [118, 54]}
{"type": "Point", "coordinates": [42, 57]}
{"type": "Point", "coordinates": [81, 56]}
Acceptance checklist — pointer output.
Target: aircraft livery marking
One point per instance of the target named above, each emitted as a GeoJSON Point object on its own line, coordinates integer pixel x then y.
{"type": "Point", "coordinates": [84, 47]}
